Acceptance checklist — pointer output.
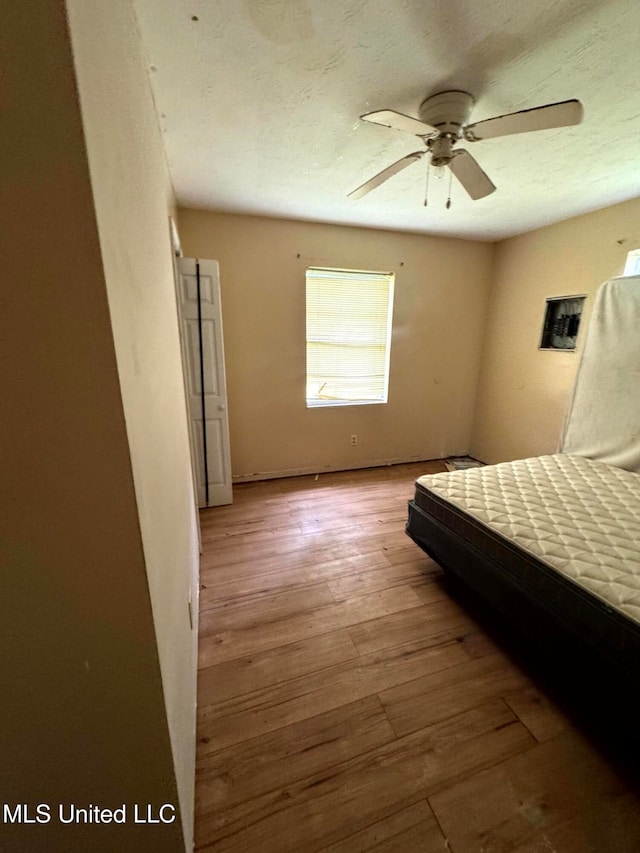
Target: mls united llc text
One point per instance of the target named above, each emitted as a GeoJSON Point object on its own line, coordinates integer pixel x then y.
{"type": "Point", "coordinates": [70, 813]}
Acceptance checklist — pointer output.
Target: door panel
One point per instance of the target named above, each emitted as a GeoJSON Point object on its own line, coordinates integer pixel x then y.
{"type": "Point", "coordinates": [201, 333]}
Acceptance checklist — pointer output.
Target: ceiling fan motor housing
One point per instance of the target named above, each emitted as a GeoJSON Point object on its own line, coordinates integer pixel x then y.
{"type": "Point", "coordinates": [448, 112]}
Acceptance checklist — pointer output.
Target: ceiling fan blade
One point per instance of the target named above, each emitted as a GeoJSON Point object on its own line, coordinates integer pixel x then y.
{"type": "Point", "coordinates": [385, 174]}
{"type": "Point", "coordinates": [399, 121]}
{"type": "Point", "coordinates": [471, 176]}
{"type": "Point", "coordinates": [562, 114]}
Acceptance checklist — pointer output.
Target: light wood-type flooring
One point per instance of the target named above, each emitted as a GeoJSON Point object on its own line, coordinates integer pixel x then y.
{"type": "Point", "coordinates": [348, 702]}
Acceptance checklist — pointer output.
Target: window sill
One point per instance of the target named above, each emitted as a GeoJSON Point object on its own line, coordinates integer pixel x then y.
{"type": "Point", "coordinates": [331, 404]}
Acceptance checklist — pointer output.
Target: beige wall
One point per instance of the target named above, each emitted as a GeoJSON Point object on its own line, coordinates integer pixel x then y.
{"type": "Point", "coordinates": [82, 714]}
{"type": "Point", "coordinates": [440, 299]}
{"type": "Point", "coordinates": [523, 392]}
{"type": "Point", "coordinates": [133, 197]}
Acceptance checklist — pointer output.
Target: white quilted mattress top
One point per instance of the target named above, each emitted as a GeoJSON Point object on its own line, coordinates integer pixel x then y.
{"type": "Point", "coordinates": [578, 516]}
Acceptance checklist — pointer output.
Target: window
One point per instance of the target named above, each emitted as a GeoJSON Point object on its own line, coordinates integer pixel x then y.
{"type": "Point", "coordinates": [349, 316]}
{"type": "Point", "coordinates": [561, 322]}
{"type": "Point", "coordinates": [632, 266]}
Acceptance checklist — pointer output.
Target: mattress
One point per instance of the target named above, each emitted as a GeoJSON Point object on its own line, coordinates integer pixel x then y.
{"type": "Point", "coordinates": [552, 544]}
{"type": "Point", "coordinates": [577, 518]}
{"type": "Point", "coordinates": [604, 412]}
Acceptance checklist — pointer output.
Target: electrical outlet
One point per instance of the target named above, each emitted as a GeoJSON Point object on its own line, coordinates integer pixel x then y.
{"type": "Point", "coordinates": [354, 440]}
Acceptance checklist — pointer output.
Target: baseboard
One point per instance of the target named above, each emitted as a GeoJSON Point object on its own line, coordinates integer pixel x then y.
{"type": "Point", "coordinates": [328, 469]}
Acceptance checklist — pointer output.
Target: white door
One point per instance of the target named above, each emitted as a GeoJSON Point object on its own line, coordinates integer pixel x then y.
{"type": "Point", "coordinates": [203, 357]}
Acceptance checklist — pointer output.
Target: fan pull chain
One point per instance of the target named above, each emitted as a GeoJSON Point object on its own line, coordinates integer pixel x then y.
{"type": "Point", "coordinates": [450, 181]}
{"type": "Point", "coordinates": [426, 188]}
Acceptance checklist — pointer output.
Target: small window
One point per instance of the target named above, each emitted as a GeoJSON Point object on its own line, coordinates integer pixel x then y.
{"type": "Point", "coordinates": [349, 317]}
{"type": "Point", "coordinates": [561, 323]}
{"type": "Point", "coordinates": [632, 266]}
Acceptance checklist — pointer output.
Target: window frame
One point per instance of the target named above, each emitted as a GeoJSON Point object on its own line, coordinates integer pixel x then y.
{"type": "Point", "coordinates": [315, 403]}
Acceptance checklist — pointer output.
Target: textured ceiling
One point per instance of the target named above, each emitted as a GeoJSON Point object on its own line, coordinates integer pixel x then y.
{"type": "Point", "coordinates": [259, 103]}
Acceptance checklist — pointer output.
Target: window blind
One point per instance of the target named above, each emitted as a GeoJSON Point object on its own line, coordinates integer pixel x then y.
{"type": "Point", "coordinates": [349, 316]}
{"type": "Point", "coordinates": [632, 265]}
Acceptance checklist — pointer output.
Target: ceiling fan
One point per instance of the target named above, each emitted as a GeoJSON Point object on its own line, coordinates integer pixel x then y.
{"type": "Point", "coordinates": [443, 123]}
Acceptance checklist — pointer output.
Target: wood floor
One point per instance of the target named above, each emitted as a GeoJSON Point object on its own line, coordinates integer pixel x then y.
{"type": "Point", "coordinates": [347, 702]}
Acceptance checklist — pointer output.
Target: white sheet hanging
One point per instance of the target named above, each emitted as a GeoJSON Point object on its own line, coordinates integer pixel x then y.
{"type": "Point", "coordinates": [603, 422]}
